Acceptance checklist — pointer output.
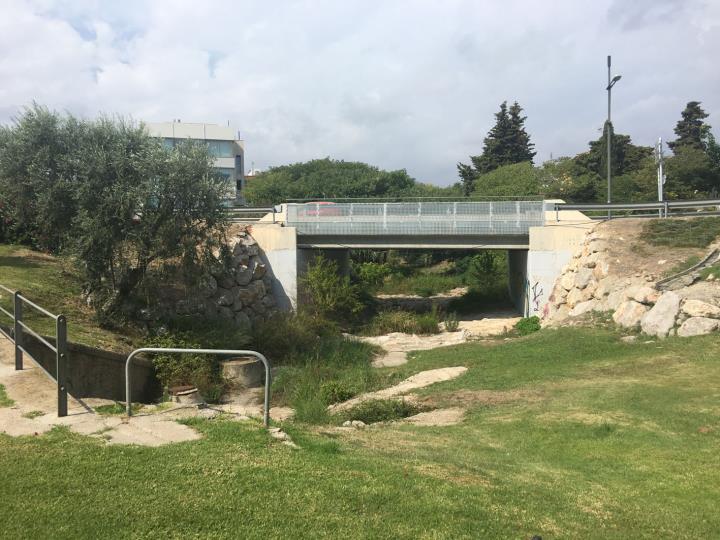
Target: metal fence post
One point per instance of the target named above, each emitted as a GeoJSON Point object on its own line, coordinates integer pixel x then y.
{"type": "Point", "coordinates": [61, 364]}
{"type": "Point", "coordinates": [18, 331]}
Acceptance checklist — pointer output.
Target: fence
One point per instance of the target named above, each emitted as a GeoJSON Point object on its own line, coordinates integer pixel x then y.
{"type": "Point", "coordinates": [223, 352]}
{"type": "Point", "coordinates": [416, 218]}
{"type": "Point", "coordinates": [651, 209]}
{"type": "Point", "coordinates": [60, 347]}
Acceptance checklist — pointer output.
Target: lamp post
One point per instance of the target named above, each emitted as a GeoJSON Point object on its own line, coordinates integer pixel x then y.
{"type": "Point", "coordinates": [611, 83]}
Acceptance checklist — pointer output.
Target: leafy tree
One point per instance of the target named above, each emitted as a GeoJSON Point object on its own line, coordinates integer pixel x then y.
{"type": "Point", "coordinates": [328, 178]}
{"type": "Point", "coordinates": [626, 157]}
{"type": "Point", "coordinates": [691, 129]}
{"type": "Point", "coordinates": [517, 180]}
{"type": "Point", "coordinates": [108, 193]}
{"type": "Point", "coordinates": [506, 143]}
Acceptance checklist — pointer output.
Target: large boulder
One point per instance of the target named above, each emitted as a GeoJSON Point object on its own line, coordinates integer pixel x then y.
{"type": "Point", "coordinates": [698, 308]}
{"type": "Point", "coordinates": [629, 313]}
{"type": "Point", "coordinates": [244, 275]}
{"type": "Point", "coordinates": [575, 296]}
{"type": "Point", "coordinates": [583, 307]}
{"type": "Point", "coordinates": [698, 326]}
{"type": "Point", "coordinates": [661, 318]}
{"type": "Point", "coordinates": [646, 295]}
{"type": "Point", "coordinates": [601, 270]}
{"type": "Point", "coordinates": [568, 280]}
{"type": "Point", "coordinates": [583, 277]}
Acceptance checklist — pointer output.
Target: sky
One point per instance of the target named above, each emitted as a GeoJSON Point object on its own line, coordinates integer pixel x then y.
{"type": "Point", "coordinates": [399, 84]}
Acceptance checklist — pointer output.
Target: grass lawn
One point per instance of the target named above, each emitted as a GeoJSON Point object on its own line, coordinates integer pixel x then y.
{"type": "Point", "coordinates": [570, 433]}
{"type": "Point", "coordinates": [698, 232]}
{"type": "Point", "coordinates": [51, 282]}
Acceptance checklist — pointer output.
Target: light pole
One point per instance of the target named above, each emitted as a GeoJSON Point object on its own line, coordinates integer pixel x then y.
{"type": "Point", "coordinates": [611, 83]}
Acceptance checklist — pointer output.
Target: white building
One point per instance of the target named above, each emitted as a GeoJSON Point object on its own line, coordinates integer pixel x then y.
{"type": "Point", "coordinates": [224, 144]}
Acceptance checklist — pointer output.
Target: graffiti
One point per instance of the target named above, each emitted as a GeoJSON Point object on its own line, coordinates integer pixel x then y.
{"type": "Point", "coordinates": [536, 295]}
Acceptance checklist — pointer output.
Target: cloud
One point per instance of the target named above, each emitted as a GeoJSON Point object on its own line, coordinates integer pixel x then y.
{"type": "Point", "coordinates": [397, 84]}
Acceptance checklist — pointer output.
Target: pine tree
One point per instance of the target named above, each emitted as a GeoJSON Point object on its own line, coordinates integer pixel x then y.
{"type": "Point", "coordinates": [521, 147]}
{"type": "Point", "coordinates": [506, 143]}
{"type": "Point", "coordinates": [691, 129]}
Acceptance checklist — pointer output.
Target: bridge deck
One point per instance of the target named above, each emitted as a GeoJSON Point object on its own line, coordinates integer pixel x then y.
{"type": "Point", "coordinates": [427, 219]}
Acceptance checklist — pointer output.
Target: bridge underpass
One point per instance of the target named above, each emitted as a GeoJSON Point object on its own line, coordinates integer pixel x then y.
{"type": "Point", "coordinates": [539, 240]}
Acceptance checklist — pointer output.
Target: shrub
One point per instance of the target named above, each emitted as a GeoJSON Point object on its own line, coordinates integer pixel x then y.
{"type": "Point", "coordinates": [335, 392]}
{"type": "Point", "coordinates": [528, 325]}
{"type": "Point", "coordinates": [451, 322]}
{"type": "Point", "coordinates": [328, 295]}
{"type": "Point", "coordinates": [372, 273]}
{"type": "Point", "coordinates": [285, 337]}
{"type": "Point", "coordinates": [381, 410]}
{"type": "Point", "coordinates": [407, 322]}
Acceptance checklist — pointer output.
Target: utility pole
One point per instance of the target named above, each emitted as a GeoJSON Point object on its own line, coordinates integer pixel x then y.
{"type": "Point", "coordinates": [660, 162]}
{"type": "Point", "coordinates": [608, 124]}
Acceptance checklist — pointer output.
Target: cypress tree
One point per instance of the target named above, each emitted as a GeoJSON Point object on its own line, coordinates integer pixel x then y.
{"type": "Point", "coordinates": [691, 130]}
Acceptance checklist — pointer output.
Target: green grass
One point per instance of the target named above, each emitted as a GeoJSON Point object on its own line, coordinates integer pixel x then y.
{"type": "Point", "coordinates": [116, 409]}
{"type": "Point", "coordinates": [33, 414]}
{"type": "Point", "coordinates": [693, 232]}
{"type": "Point", "coordinates": [714, 270]}
{"type": "Point", "coordinates": [569, 433]}
{"type": "Point", "coordinates": [52, 283]}
{"type": "Point", "coordinates": [682, 266]}
{"type": "Point", "coordinates": [5, 401]}
{"type": "Point", "coordinates": [423, 283]}
{"type": "Point", "coordinates": [407, 322]}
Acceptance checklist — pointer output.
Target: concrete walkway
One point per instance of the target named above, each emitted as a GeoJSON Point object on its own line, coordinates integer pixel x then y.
{"type": "Point", "coordinates": [35, 411]}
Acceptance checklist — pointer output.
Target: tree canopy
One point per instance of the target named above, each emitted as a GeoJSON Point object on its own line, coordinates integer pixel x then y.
{"type": "Point", "coordinates": [329, 178]}
{"type": "Point", "coordinates": [506, 143]}
{"type": "Point", "coordinates": [107, 193]}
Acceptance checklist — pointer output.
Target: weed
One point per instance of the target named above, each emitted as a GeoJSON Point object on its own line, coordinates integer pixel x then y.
{"type": "Point", "coordinates": [116, 408]}
{"type": "Point", "coordinates": [381, 410]}
{"type": "Point", "coordinates": [451, 322]}
{"type": "Point", "coordinates": [335, 392]}
{"type": "Point", "coordinates": [33, 414]}
{"type": "Point", "coordinates": [406, 322]}
{"type": "Point", "coordinates": [682, 266]}
{"type": "Point", "coordinates": [713, 270]}
{"type": "Point", "coordinates": [528, 325]}
{"type": "Point", "coordinates": [5, 401]}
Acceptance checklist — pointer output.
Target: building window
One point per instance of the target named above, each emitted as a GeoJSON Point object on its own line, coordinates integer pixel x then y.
{"type": "Point", "coordinates": [221, 149]}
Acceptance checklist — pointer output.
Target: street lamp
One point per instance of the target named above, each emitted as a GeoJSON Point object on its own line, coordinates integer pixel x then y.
{"type": "Point", "coordinates": [611, 83]}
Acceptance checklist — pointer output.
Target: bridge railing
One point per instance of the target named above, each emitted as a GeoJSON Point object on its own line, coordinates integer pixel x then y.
{"type": "Point", "coordinates": [416, 218]}
{"type": "Point", "coordinates": [702, 207]}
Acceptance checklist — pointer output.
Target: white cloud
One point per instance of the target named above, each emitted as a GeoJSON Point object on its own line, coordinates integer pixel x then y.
{"type": "Point", "coordinates": [398, 84]}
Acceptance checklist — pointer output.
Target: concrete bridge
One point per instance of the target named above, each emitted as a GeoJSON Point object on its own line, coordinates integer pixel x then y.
{"type": "Point", "coordinates": [539, 240]}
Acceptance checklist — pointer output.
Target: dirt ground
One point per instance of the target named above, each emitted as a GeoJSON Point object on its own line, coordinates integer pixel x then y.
{"type": "Point", "coordinates": [627, 249]}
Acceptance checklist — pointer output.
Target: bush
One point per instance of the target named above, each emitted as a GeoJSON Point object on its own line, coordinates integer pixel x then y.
{"type": "Point", "coordinates": [335, 392]}
{"type": "Point", "coordinates": [528, 325]}
{"type": "Point", "coordinates": [286, 337]}
{"type": "Point", "coordinates": [407, 322]}
{"type": "Point", "coordinates": [372, 273]}
{"type": "Point", "coordinates": [451, 322]}
{"type": "Point", "coordinates": [328, 295]}
{"type": "Point", "coordinates": [381, 410]}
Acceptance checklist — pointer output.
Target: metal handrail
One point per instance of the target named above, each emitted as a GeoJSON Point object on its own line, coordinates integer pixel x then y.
{"type": "Point", "coordinates": [663, 207]}
{"type": "Point", "coordinates": [219, 352]}
{"type": "Point", "coordinates": [60, 347]}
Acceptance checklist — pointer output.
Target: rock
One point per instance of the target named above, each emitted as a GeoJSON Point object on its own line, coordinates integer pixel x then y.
{"type": "Point", "coordinates": [597, 246]}
{"type": "Point", "coordinates": [661, 262]}
{"type": "Point", "coordinates": [629, 313]}
{"type": "Point", "coordinates": [698, 326]}
{"type": "Point", "coordinates": [225, 282]}
{"type": "Point", "coordinates": [257, 288]}
{"type": "Point", "coordinates": [347, 423]}
{"type": "Point", "coordinates": [242, 320]}
{"type": "Point", "coordinates": [359, 424]}
{"type": "Point", "coordinates": [601, 270]}
{"type": "Point", "coordinates": [207, 285]}
{"type": "Point", "coordinates": [688, 279]}
{"type": "Point", "coordinates": [575, 296]}
{"type": "Point", "coordinates": [583, 277]}
{"type": "Point", "coordinates": [562, 314]}
{"type": "Point", "coordinates": [698, 308]}
{"type": "Point", "coordinates": [241, 259]}
{"type": "Point", "coordinates": [259, 271]}
{"type": "Point", "coordinates": [583, 307]}
{"type": "Point", "coordinates": [243, 275]}
{"type": "Point", "coordinates": [568, 281]}
{"type": "Point", "coordinates": [592, 260]}
{"type": "Point", "coordinates": [246, 371]}
{"type": "Point", "coordinates": [661, 318]}
{"type": "Point", "coordinates": [226, 312]}
{"type": "Point", "coordinates": [711, 277]}
{"type": "Point", "coordinates": [226, 298]}
{"type": "Point", "coordinates": [628, 339]}
{"type": "Point", "coordinates": [245, 295]}
{"type": "Point", "coordinates": [646, 295]}
{"type": "Point", "coordinates": [607, 285]}
{"type": "Point", "coordinates": [237, 305]}
{"type": "Point", "coordinates": [614, 299]}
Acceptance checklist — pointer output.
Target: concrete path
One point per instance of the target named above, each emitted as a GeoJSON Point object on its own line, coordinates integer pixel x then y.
{"type": "Point", "coordinates": [419, 380]}
{"type": "Point", "coordinates": [35, 411]}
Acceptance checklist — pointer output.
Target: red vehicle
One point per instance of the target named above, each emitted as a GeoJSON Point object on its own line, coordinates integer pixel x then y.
{"type": "Point", "coordinates": [321, 209]}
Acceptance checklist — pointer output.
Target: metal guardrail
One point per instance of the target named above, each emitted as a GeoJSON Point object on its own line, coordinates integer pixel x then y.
{"type": "Point", "coordinates": [414, 219]}
{"type": "Point", "coordinates": [223, 352]}
{"type": "Point", "coordinates": [60, 347]}
{"type": "Point", "coordinates": [246, 214]}
{"type": "Point", "coordinates": [663, 208]}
